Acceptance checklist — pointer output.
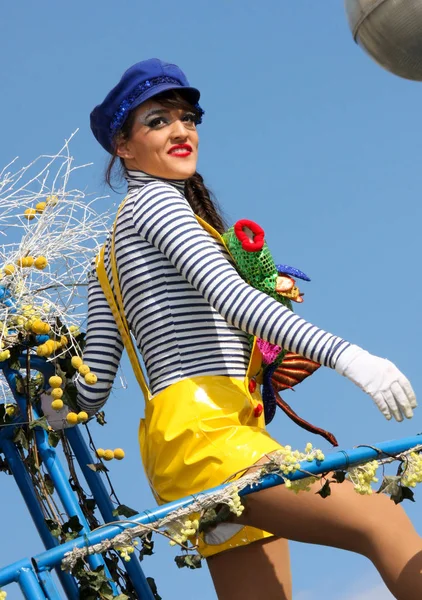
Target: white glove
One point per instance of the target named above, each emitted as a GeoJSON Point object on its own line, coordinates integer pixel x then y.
{"type": "Point", "coordinates": [56, 418]}
{"type": "Point", "coordinates": [381, 379]}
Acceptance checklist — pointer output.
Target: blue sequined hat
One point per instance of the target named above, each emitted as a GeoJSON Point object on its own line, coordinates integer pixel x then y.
{"type": "Point", "coordinates": [139, 83]}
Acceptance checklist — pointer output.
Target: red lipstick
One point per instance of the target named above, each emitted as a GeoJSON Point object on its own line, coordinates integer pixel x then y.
{"type": "Point", "coordinates": [180, 150]}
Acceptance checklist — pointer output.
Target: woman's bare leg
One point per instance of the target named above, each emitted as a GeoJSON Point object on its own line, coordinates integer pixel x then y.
{"type": "Point", "coordinates": [369, 525]}
{"type": "Point", "coordinates": [260, 570]}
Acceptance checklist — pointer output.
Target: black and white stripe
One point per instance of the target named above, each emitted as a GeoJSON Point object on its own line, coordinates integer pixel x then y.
{"type": "Point", "coordinates": [187, 307]}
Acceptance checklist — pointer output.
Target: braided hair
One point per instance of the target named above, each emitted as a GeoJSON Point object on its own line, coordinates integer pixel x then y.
{"type": "Point", "coordinates": [196, 192]}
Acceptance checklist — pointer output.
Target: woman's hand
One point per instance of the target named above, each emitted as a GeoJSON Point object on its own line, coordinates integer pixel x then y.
{"type": "Point", "coordinates": [381, 379]}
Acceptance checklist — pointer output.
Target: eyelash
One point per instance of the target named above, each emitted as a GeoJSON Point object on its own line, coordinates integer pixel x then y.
{"type": "Point", "coordinates": [157, 121]}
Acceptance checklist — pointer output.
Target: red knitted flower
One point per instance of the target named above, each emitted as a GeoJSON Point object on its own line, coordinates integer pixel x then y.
{"type": "Point", "coordinates": [249, 234]}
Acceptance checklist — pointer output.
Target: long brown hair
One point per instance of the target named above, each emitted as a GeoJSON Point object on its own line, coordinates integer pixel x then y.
{"type": "Point", "coordinates": [197, 194]}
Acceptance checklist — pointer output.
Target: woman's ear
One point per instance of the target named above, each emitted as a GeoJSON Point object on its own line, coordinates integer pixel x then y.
{"type": "Point", "coordinates": [122, 149]}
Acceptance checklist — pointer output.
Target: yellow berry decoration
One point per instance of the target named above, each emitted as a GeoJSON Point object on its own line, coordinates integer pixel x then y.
{"type": "Point", "coordinates": [40, 327]}
{"type": "Point", "coordinates": [55, 381]}
{"type": "Point", "coordinates": [57, 393]}
{"type": "Point", "coordinates": [9, 269]}
{"type": "Point", "coordinates": [40, 263]}
{"type": "Point", "coordinates": [119, 453]}
{"type": "Point", "coordinates": [84, 369]}
{"type": "Point", "coordinates": [100, 453]}
{"type": "Point", "coordinates": [90, 378]}
{"type": "Point", "coordinates": [25, 261]}
{"type": "Point", "coordinates": [40, 207]}
{"type": "Point", "coordinates": [63, 340]}
{"type": "Point", "coordinates": [30, 213]}
{"type": "Point", "coordinates": [82, 417]}
{"type": "Point", "coordinates": [76, 362]}
{"type": "Point", "coordinates": [74, 330]}
{"type": "Point", "coordinates": [57, 404]}
{"type": "Point", "coordinates": [108, 455]}
{"type": "Point", "coordinates": [4, 355]}
{"type": "Point", "coordinates": [72, 418]}
{"type": "Point", "coordinates": [10, 409]}
{"type": "Point", "coordinates": [52, 200]}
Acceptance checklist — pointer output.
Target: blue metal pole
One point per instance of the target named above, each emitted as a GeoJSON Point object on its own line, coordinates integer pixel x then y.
{"type": "Point", "coordinates": [105, 506]}
{"type": "Point", "coordinates": [10, 574]}
{"type": "Point", "coordinates": [53, 465]}
{"type": "Point", "coordinates": [338, 460]}
{"type": "Point", "coordinates": [30, 585]}
{"type": "Point", "coordinates": [50, 590]}
{"type": "Point", "coordinates": [28, 493]}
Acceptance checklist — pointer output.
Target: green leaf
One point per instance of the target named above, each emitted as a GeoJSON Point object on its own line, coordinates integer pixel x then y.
{"type": "Point", "coordinates": [70, 396]}
{"type": "Point", "coordinates": [325, 491]}
{"type": "Point", "coordinates": [125, 597]}
{"type": "Point", "coordinates": [191, 561]}
{"type": "Point", "coordinates": [408, 494]}
{"type": "Point", "coordinates": [339, 476]}
{"type": "Point", "coordinates": [147, 546]}
{"type": "Point", "coordinates": [90, 504]}
{"type": "Point", "coordinates": [97, 467]}
{"type": "Point", "coordinates": [49, 484]}
{"type": "Point", "coordinates": [72, 525]}
{"type": "Point", "coordinates": [390, 485]}
{"type": "Point", "coordinates": [20, 438]}
{"type": "Point", "coordinates": [53, 438]}
{"type": "Point", "coordinates": [42, 422]}
{"type": "Point", "coordinates": [153, 586]}
{"type": "Point", "coordinates": [100, 416]}
{"type": "Point", "coordinates": [124, 511]}
{"type": "Point", "coordinates": [54, 527]}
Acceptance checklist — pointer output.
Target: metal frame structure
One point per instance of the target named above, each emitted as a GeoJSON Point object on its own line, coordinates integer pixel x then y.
{"type": "Point", "coordinates": [34, 575]}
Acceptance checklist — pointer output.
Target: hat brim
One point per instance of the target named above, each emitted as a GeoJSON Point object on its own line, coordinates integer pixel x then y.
{"type": "Point", "coordinates": [191, 94]}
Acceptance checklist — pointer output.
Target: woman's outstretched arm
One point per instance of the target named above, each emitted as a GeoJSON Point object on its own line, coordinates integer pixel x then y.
{"type": "Point", "coordinates": [163, 217]}
{"type": "Point", "coordinates": [103, 349]}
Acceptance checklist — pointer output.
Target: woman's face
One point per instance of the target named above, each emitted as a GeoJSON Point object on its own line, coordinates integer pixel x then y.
{"type": "Point", "coordinates": [163, 142]}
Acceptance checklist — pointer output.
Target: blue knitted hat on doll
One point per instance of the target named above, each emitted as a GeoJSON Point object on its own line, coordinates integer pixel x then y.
{"type": "Point", "coordinates": [139, 83]}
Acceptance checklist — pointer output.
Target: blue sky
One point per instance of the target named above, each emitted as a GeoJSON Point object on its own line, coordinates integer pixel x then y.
{"type": "Point", "coordinates": [304, 134]}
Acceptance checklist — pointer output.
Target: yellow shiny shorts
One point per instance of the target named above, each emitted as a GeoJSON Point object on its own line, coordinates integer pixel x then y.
{"type": "Point", "coordinates": [195, 435]}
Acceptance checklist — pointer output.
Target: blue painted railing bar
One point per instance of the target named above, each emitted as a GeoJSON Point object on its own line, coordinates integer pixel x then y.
{"type": "Point", "coordinates": [29, 584]}
{"type": "Point", "coordinates": [50, 459]}
{"type": "Point", "coordinates": [28, 493]}
{"type": "Point", "coordinates": [338, 460]}
{"type": "Point", "coordinates": [105, 506]}
{"type": "Point", "coordinates": [49, 587]}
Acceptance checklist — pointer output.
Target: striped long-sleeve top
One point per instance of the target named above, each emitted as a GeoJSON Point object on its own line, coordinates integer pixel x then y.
{"type": "Point", "coordinates": [187, 307]}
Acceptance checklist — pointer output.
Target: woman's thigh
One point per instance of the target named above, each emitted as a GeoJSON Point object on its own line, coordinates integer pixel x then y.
{"type": "Point", "coordinates": [345, 519]}
{"type": "Point", "coordinates": [261, 569]}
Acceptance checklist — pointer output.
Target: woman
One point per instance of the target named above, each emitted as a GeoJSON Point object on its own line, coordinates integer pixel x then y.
{"type": "Point", "coordinates": [191, 313]}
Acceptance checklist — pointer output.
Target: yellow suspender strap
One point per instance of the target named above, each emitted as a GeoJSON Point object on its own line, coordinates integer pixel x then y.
{"type": "Point", "coordinates": [116, 306]}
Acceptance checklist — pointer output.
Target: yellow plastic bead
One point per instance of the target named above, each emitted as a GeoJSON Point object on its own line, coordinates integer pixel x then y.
{"type": "Point", "coordinates": [63, 340]}
{"type": "Point", "coordinates": [76, 362]}
{"type": "Point", "coordinates": [30, 213]}
{"type": "Point", "coordinates": [39, 326]}
{"type": "Point", "coordinates": [119, 453]}
{"type": "Point", "coordinates": [90, 378]}
{"type": "Point", "coordinates": [108, 455]}
{"type": "Point", "coordinates": [40, 207]}
{"type": "Point", "coordinates": [40, 263]}
{"type": "Point", "coordinates": [57, 404]}
{"type": "Point", "coordinates": [84, 369]}
{"type": "Point", "coordinates": [57, 393]}
{"type": "Point", "coordinates": [4, 355]}
{"type": "Point", "coordinates": [100, 453]}
{"type": "Point", "coordinates": [55, 381]}
{"type": "Point", "coordinates": [9, 269]}
{"type": "Point", "coordinates": [82, 417]}
{"type": "Point", "coordinates": [52, 200]}
{"type": "Point", "coordinates": [72, 418]}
